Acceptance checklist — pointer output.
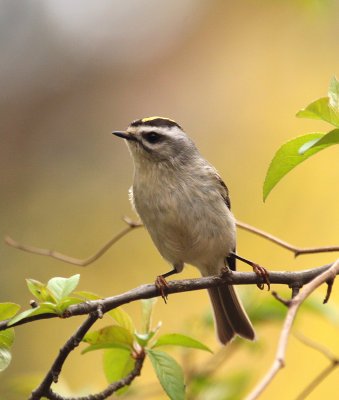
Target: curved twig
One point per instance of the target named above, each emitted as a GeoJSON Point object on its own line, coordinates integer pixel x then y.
{"type": "Point", "coordinates": [75, 261]}
{"type": "Point", "coordinates": [325, 372]}
{"type": "Point", "coordinates": [131, 225]}
{"type": "Point", "coordinates": [294, 304]}
{"type": "Point", "coordinates": [296, 250]}
{"type": "Point", "coordinates": [53, 374]}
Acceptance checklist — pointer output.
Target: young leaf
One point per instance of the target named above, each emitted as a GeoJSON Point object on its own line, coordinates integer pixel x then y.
{"type": "Point", "coordinates": [333, 93]}
{"type": "Point", "coordinates": [40, 291]}
{"type": "Point", "coordinates": [7, 337]}
{"type": "Point", "coordinates": [329, 139]}
{"type": "Point", "coordinates": [62, 287]}
{"type": "Point", "coordinates": [42, 309]}
{"type": "Point", "coordinates": [8, 310]}
{"type": "Point", "coordinates": [286, 158]}
{"type": "Point", "coordinates": [176, 339]}
{"type": "Point", "coordinates": [169, 374]}
{"type": "Point", "coordinates": [147, 308]}
{"type": "Point", "coordinates": [117, 364]}
{"type": "Point", "coordinates": [110, 334]}
{"type": "Point", "coordinates": [66, 302]}
{"type": "Point", "coordinates": [5, 357]}
{"type": "Point", "coordinates": [321, 109]}
{"type": "Point", "coordinates": [122, 318]}
{"type": "Point", "coordinates": [144, 338]}
{"type": "Point", "coordinates": [325, 108]}
{"type": "Point", "coordinates": [94, 347]}
{"type": "Point", "coordinates": [88, 295]}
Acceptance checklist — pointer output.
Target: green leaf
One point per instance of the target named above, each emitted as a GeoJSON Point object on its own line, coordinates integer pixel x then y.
{"type": "Point", "coordinates": [110, 334]}
{"type": "Point", "coordinates": [146, 316]}
{"type": "Point", "coordinates": [88, 295]}
{"type": "Point", "coordinates": [333, 93]}
{"type": "Point", "coordinates": [117, 364]}
{"type": "Point", "coordinates": [176, 339]}
{"type": "Point", "coordinates": [66, 302]}
{"type": "Point", "coordinates": [94, 347]}
{"type": "Point", "coordinates": [286, 158]}
{"type": "Point", "coordinates": [62, 287]}
{"type": "Point", "coordinates": [8, 310]}
{"type": "Point", "coordinates": [143, 338]}
{"type": "Point", "coordinates": [169, 374]}
{"type": "Point", "coordinates": [329, 139]}
{"type": "Point", "coordinates": [7, 337]}
{"type": "Point", "coordinates": [42, 309]}
{"type": "Point", "coordinates": [321, 109]}
{"type": "Point", "coordinates": [122, 318]}
{"type": "Point", "coordinates": [5, 357]}
{"type": "Point", "coordinates": [40, 291]}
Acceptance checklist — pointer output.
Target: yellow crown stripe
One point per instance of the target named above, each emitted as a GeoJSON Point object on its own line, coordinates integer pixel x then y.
{"type": "Point", "coordinates": [152, 118]}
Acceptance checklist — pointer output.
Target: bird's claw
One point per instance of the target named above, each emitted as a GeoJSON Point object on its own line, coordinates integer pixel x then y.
{"type": "Point", "coordinates": [261, 271]}
{"type": "Point", "coordinates": [162, 285]}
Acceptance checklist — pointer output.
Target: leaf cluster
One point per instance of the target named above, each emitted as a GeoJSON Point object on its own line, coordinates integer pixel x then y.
{"type": "Point", "coordinates": [299, 149]}
{"type": "Point", "coordinates": [123, 344]}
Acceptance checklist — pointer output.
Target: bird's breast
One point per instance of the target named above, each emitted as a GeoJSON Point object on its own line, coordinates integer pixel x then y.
{"type": "Point", "coordinates": [186, 224]}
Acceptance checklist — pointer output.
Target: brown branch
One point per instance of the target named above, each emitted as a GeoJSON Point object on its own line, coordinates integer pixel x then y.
{"type": "Point", "coordinates": [279, 361]}
{"type": "Point", "coordinates": [53, 374]}
{"type": "Point", "coordinates": [131, 225]}
{"type": "Point", "coordinates": [296, 250]}
{"type": "Point", "coordinates": [71, 260]}
{"type": "Point", "coordinates": [44, 389]}
{"type": "Point", "coordinates": [299, 278]}
{"type": "Point", "coordinates": [113, 387]}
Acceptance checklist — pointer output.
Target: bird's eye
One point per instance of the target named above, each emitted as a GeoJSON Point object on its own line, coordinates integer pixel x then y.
{"type": "Point", "coordinates": [152, 137]}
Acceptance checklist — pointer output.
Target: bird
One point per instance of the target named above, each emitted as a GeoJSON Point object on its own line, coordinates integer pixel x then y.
{"type": "Point", "coordinates": [185, 207]}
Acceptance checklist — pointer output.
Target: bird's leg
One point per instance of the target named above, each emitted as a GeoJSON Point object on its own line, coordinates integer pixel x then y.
{"type": "Point", "coordinates": [162, 284]}
{"type": "Point", "coordinates": [261, 271]}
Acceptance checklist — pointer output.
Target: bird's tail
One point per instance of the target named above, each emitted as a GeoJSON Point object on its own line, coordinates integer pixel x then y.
{"type": "Point", "coordinates": [229, 315]}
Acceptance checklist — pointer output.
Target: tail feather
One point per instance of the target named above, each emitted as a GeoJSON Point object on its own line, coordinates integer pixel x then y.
{"type": "Point", "coordinates": [229, 315]}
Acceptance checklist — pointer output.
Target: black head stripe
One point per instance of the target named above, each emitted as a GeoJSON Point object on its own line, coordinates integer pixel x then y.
{"type": "Point", "coordinates": [155, 122]}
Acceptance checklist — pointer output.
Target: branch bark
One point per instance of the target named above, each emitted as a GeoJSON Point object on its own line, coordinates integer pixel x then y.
{"type": "Point", "coordinates": [292, 279]}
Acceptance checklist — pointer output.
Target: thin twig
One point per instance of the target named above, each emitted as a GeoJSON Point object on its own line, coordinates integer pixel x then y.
{"type": "Point", "coordinates": [112, 388]}
{"type": "Point", "coordinates": [179, 286]}
{"type": "Point", "coordinates": [53, 374]}
{"type": "Point", "coordinates": [279, 361]}
{"type": "Point", "coordinates": [325, 372]}
{"type": "Point", "coordinates": [75, 261]}
{"type": "Point", "coordinates": [296, 250]}
{"type": "Point", "coordinates": [317, 346]}
{"type": "Point", "coordinates": [316, 381]}
{"type": "Point", "coordinates": [62, 257]}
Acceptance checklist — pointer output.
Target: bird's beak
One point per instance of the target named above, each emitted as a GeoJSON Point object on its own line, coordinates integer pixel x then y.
{"type": "Point", "coordinates": [124, 135]}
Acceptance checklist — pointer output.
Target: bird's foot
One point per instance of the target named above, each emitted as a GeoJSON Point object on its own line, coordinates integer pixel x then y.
{"type": "Point", "coordinates": [162, 285]}
{"type": "Point", "coordinates": [262, 272]}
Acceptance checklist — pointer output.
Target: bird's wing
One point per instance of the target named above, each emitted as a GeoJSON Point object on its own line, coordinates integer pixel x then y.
{"type": "Point", "coordinates": [223, 190]}
{"type": "Point", "coordinates": [231, 261]}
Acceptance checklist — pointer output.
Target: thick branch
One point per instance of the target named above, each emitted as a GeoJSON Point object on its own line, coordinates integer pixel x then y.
{"type": "Point", "coordinates": [296, 278]}
{"type": "Point", "coordinates": [294, 304]}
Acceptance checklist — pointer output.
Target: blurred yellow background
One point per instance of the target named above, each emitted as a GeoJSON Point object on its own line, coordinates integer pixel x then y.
{"type": "Point", "coordinates": [233, 74]}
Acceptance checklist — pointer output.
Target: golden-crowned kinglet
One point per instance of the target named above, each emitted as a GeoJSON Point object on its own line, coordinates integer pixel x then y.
{"type": "Point", "coordinates": [185, 206]}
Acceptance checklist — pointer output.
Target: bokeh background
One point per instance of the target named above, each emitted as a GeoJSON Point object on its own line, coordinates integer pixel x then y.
{"type": "Point", "coordinates": [233, 74]}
